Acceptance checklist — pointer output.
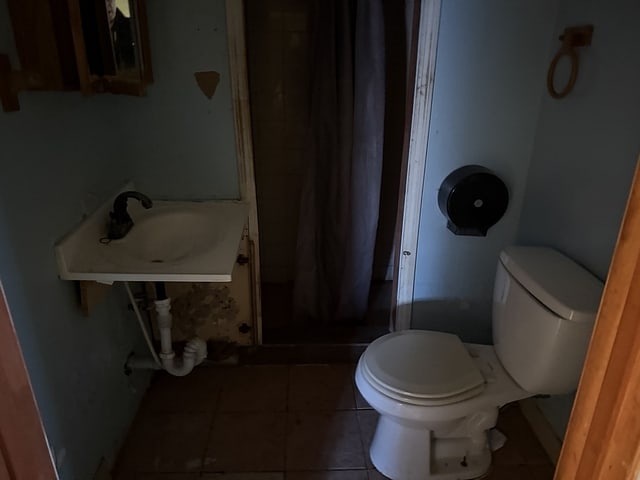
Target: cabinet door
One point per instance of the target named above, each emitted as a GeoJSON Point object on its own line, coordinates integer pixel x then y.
{"type": "Point", "coordinates": [44, 43]}
{"type": "Point", "coordinates": [89, 45]}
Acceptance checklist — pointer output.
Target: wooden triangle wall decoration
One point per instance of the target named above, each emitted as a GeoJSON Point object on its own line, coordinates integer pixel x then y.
{"type": "Point", "coordinates": [208, 82]}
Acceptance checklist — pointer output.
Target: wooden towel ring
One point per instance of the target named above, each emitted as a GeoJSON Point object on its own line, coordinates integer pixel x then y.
{"type": "Point", "coordinates": [571, 38]}
{"type": "Point", "coordinates": [573, 76]}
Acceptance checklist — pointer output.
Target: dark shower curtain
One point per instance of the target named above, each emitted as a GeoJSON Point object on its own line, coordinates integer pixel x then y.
{"type": "Point", "coordinates": [341, 191]}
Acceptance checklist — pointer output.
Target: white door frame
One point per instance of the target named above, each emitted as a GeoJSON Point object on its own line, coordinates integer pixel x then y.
{"type": "Point", "coordinates": [410, 203]}
{"type": "Point", "coordinates": [239, 79]}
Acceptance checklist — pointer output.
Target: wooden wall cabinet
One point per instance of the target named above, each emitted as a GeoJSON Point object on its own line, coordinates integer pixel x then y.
{"type": "Point", "coordinates": [92, 46]}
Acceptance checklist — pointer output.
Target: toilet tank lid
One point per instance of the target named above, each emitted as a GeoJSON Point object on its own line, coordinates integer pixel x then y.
{"type": "Point", "coordinates": [559, 283]}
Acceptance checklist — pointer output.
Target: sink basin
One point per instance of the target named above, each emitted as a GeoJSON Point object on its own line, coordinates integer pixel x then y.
{"type": "Point", "coordinates": [169, 234]}
{"type": "Point", "coordinates": [172, 241]}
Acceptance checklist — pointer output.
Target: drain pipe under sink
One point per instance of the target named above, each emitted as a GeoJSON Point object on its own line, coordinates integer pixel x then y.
{"type": "Point", "coordinates": [195, 351]}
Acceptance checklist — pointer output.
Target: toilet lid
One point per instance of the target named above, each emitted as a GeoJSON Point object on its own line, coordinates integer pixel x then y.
{"type": "Point", "coordinates": [422, 364]}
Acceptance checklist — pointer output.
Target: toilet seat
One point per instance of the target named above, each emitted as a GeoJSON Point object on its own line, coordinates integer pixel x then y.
{"type": "Point", "coordinates": [422, 368]}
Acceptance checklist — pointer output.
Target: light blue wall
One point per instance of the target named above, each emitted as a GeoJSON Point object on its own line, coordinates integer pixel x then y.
{"type": "Point", "coordinates": [568, 163]}
{"type": "Point", "coordinates": [490, 72]}
{"type": "Point", "coordinates": [58, 157]}
{"type": "Point", "coordinates": [63, 155]}
{"type": "Point", "coordinates": [585, 150]}
{"type": "Point", "coordinates": [175, 130]}
{"type": "Point", "coordinates": [587, 143]}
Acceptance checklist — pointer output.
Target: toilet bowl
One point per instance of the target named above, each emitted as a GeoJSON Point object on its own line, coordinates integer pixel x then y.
{"type": "Point", "coordinates": [451, 425]}
{"type": "Point", "coordinates": [437, 397]}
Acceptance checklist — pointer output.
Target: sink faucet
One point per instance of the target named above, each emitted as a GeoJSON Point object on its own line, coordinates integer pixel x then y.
{"type": "Point", "coordinates": [121, 221]}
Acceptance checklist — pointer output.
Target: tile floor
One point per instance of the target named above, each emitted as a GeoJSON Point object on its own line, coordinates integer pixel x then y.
{"type": "Point", "coordinates": [276, 422]}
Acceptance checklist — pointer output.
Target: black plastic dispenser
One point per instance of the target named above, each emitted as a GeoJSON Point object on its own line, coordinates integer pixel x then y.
{"type": "Point", "coordinates": [473, 199]}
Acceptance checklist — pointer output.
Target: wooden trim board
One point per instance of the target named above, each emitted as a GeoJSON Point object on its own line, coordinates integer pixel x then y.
{"type": "Point", "coordinates": [603, 438]}
{"type": "Point", "coordinates": [414, 163]}
{"type": "Point", "coordinates": [244, 144]}
{"type": "Point", "coordinates": [23, 444]}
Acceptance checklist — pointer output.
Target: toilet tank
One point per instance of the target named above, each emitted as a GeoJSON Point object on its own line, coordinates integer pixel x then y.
{"type": "Point", "coordinates": [544, 307]}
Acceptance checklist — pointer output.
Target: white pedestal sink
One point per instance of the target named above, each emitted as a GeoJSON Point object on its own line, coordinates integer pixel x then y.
{"type": "Point", "coordinates": [172, 241]}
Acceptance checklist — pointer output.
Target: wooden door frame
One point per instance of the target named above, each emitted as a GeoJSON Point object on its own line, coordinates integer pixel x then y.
{"type": "Point", "coordinates": [603, 436]}
{"type": "Point", "coordinates": [24, 450]}
{"type": "Point", "coordinates": [239, 78]}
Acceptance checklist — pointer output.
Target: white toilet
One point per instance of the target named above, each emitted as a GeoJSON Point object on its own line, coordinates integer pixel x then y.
{"type": "Point", "coordinates": [437, 396]}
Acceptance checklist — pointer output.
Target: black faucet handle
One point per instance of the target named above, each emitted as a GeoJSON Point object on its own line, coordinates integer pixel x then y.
{"type": "Point", "coordinates": [120, 203]}
{"type": "Point", "coordinates": [121, 221]}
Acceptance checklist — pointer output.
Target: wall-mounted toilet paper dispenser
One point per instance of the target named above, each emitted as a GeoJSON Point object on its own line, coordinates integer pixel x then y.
{"type": "Point", "coordinates": [473, 199]}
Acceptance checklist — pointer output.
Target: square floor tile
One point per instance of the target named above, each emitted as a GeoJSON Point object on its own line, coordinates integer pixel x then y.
{"type": "Point", "coordinates": [246, 442]}
{"type": "Point", "coordinates": [255, 388]}
{"type": "Point", "coordinates": [329, 475]}
{"type": "Point", "coordinates": [167, 476]}
{"type": "Point", "coordinates": [521, 447]}
{"type": "Point", "coordinates": [361, 403]}
{"type": "Point", "coordinates": [540, 472]}
{"type": "Point", "coordinates": [520, 472]}
{"type": "Point", "coordinates": [376, 475]}
{"type": "Point", "coordinates": [243, 476]}
{"type": "Point", "coordinates": [368, 420]}
{"type": "Point", "coordinates": [321, 387]}
{"type": "Point", "coordinates": [196, 392]}
{"type": "Point", "coordinates": [508, 455]}
{"type": "Point", "coordinates": [323, 441]}
{"type": "Point", "coordinates": [173, 442]}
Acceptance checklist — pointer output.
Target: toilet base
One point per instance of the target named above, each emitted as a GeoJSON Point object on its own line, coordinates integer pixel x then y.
{"type": "Point", "coordinates": [403, 452]}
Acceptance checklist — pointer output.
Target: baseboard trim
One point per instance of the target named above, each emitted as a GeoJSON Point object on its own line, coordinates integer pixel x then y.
{"type": "Point", "coordinates": [541, 428]}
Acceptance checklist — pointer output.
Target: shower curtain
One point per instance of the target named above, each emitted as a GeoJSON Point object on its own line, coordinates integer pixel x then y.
{"type": "Point", "coordinates": [341, 190]}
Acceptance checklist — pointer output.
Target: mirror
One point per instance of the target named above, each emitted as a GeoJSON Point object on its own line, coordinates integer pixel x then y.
{"type": "Point", "coordinates": [122, 26]}
{"type": "Point", "coordinates": [116, 40]}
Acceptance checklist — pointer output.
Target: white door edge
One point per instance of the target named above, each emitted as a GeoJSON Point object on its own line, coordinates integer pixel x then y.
{"type": "Point", "coordinates": [416, 159]}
